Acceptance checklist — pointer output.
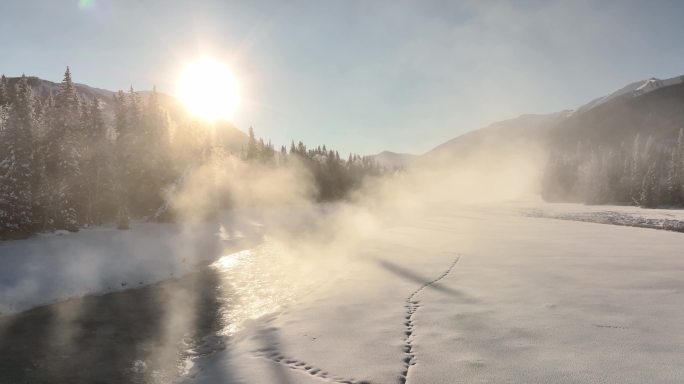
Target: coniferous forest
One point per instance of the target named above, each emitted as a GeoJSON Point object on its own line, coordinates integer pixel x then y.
{"type": "Point", "coordinates": [64, 164]}
{"type": "Point", "coordinates": [643, 172]}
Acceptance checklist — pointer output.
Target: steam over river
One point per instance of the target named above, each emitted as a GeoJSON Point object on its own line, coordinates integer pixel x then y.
{"type": "Point", "coordinates": [145, 335]}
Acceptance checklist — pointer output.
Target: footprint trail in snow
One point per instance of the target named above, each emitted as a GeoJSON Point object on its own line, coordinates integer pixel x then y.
{"type": "Point", "coordinates": [412, 305]}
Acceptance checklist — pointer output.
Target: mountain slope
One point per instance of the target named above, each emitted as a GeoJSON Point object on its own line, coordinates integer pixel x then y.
{"type": "Point", "coordinates": [523, 129]}
{"type": "Point", "coordinates": [650, 107]}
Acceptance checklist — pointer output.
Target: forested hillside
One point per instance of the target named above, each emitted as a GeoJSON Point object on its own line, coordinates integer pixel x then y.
{"type": "Point", "coordinates": [627, 151]}
{"type": "Point", "coordinates": [70, 159]}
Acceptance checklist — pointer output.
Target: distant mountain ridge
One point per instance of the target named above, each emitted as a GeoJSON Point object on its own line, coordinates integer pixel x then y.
{"type": "Point", "coordinates": [651, 107]}
{"type": "Point", "coordinates": [523, 128]}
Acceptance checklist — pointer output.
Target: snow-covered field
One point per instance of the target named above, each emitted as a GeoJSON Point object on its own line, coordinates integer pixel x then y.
{"type": "Point", "coordinates": [518, 300]}
{"type": "Point", "coordinates": [476, 294]}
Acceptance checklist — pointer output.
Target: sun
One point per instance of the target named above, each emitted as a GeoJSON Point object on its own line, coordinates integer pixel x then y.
{"type": "Point", "coordinates": [209, 90]}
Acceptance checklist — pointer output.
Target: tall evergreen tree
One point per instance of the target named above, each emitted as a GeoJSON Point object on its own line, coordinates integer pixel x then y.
{"type": "Point", "coordinates": [96, 164]}
{"type": "Point", "coordinates": [4, 102]}
{"type": "Point", "coordinates": [42, 191]}
{"type": "Point", "coordinates": [670, 187]}
{"type": "Point", "coordinates": [132, 140]}
{"type": "Point", "coordinates": [635, 171]}
{"type": "Point", "coordinates": [679, 168]}
{"type": "Point", "coordinates": [16, 159]}
{"type": "Point", "coordinates": [153, 149]}
{"type": "Point", "coordinates": [252, 150]}
{"type": "Point", "coordinates": [4, 91]}
{"type": "Point", "coordinates": [64, 156]}
{"type": "Point", "coordinates": [649, 185]}
{"type": "Point", "coordinates": [122, 156]}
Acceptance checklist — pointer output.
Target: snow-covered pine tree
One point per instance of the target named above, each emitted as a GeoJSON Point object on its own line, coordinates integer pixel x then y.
{"type": "Point", "coordinates": [635, 171]}
{"type": "Point", "coordinates": [135, 181]}
{"type": "Point", "coordinates": [4, 91]}
{"type": "Point", "coordinates": [129, 152]}
{"type": "Point", "coordinates": [4, 102]}
{"type": "Point", "coordinates": [16, 159]}
{"type": "Point", "coordinates": [157, 128]}
{"type": "Point", "coordinates": [153, 152]}
{"type": "Point", "coordinates": [649, 193]}
{"type": "Point", "coordinates": [119, 102]}
{"type": "Point", "coordinates": [45, 200]}
{"type": "Point", "coordinates": [65, 155]}
{"type": "Point", "coordinates": [122, 146]}
{"type": "Point", "coordinates": [252, 150]}
{"type": "Point", "coordinates": [679, 168]}
{"type": "Point", "coordinates": [134, 105]}
{"type": "Point", "coordinates": [96, 163]}
{"type": "Point", "coordinates": [669, 190]}
{"type": "Point", "coordinates": [608, 177]}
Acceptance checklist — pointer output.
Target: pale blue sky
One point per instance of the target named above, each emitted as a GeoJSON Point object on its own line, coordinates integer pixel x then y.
{"type": "Point", "coordinates": [360, 76]}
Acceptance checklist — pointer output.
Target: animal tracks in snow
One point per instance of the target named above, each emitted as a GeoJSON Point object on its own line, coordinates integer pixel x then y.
{"type": "Point", "coordinates": [308, 368]}
{"type": "Point", "coordinates": [412, 306]}
{"type": "Point", "coordinates": [409, 359]}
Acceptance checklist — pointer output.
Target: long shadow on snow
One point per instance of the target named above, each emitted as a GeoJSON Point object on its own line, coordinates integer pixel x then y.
{"type": "Point", "coordinates": [418, 279]}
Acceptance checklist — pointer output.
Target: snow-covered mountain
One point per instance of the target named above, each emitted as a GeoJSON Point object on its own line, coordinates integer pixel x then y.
{"type": "Point", "coordinates": [634, 89]}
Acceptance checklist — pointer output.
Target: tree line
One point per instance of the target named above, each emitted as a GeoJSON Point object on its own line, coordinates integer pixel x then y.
{"type": "Point", "coordinates": [333, 176]}
{"type": "Point", "coordinates": [65, 165]}
{"type": "Point", "coordinates": [641, 172]}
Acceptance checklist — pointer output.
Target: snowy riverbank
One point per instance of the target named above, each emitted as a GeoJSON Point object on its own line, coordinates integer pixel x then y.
{"type": "Point", "coordinates": [50, 267]}
{"type": "Point", "coordinates": [630, 216]}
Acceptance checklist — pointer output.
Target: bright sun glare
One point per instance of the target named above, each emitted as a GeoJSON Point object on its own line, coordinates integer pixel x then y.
{"type": "Point", "coordinates": [209, 90]}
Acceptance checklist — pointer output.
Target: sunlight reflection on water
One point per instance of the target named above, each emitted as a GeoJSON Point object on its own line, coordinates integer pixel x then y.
{"type": "Point", "coordinates": [229, 261]}
{"type": "Point", "coordinates": [256, 283]}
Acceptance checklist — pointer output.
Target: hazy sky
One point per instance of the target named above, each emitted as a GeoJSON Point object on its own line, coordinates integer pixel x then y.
{"type": "Point", "coordinates": [361, 76]}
